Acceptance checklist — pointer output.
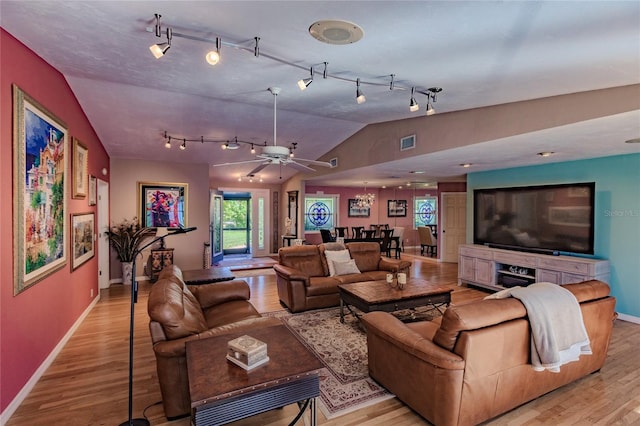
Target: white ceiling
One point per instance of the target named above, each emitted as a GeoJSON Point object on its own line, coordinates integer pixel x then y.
{"type": "Point", "coordinates": [481, 53]}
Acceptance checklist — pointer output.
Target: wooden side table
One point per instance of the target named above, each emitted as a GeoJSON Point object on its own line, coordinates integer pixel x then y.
{"type": "Point", "coordinates": [158, 259]}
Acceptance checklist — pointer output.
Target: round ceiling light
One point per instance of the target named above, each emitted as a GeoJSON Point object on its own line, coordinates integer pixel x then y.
{"type": "Point", "coordinates": [336, 31]}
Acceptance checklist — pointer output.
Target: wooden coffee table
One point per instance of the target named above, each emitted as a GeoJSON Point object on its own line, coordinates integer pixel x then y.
{"type": "Point", "coordinates": [221, 392]}
{"type": "Point", "coordinates": [370, 296]}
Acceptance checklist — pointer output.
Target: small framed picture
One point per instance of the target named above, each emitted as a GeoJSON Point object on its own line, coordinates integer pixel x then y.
{"type": "Point", "coordinates": [357, 211]}
{"type": "Point", "coordinates": [92, 190]}
{"type": "Point", "coordinates": [82, 228]}
{"type": "Point", "coordinates": [80, 169]}
{"type": "Point", "coordinates": [397, 208]}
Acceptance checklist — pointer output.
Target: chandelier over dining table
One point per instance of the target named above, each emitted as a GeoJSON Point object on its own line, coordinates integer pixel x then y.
{"type": "Point", "coordinates": [366, 199]}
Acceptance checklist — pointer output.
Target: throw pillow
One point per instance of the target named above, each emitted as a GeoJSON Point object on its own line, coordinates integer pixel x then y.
{"type": "Point", "coordinates": [337, 256]}
{"type": "Point", "coordinates": [345, 268]}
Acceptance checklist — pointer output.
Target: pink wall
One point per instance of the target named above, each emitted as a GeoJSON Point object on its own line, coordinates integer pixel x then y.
{"type": "Point", "coordinates": [33, 322]}
{"type": "Point", "coordinates": [378, 211]}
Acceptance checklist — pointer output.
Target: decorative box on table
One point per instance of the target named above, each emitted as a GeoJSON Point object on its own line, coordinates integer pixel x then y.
{"type": "Point", "coordinates": [247, 352]}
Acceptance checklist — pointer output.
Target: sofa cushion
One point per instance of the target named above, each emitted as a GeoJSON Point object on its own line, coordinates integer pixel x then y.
{"type": "Point", "coordinates": [175, 308]}
{"type": "Point", "coordinates": [303, 258]}
{"type": "Point", "coordinates": [322, 248]}
{"type": "Point", "coordinates": [322, 285]}
{"type": "Point", "coordinates": [333, 256]}
{"type": "Point", "coordinates": [345, 268]}
{"type": "Point", "coordinates": [229, 313]}
{"type": "Point", "coordinates": [366, 255]}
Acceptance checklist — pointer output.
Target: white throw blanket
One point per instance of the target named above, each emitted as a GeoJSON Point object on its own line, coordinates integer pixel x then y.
{"type": "Point", "coordinates": [558, 335]}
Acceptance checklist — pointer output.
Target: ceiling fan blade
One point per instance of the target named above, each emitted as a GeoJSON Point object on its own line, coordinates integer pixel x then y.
{"type": "Point", "coordinates": [260, 167]}
{"type": "Point", "coordinates": [299, 167]}
{"type": "Point", "coordinates": [237, 162]}
{"type": "Point", "coordinates": [317, 163]}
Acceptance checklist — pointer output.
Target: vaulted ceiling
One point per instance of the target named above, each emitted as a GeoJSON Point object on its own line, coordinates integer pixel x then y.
{"type": "Point", "coordinates": [480, 53]}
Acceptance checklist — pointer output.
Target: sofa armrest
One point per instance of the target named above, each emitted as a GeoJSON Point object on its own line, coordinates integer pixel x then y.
{"type": "Point", "coordinates": [178, 347]}
{"type": "Point", "coordinates": [209, 295]}
{"type": "Point", "coordinates": [394, 332]}
{"type": "Point", "coordinates": [291, 274]}
{"type": "Point", "coordinates": [394, 265]}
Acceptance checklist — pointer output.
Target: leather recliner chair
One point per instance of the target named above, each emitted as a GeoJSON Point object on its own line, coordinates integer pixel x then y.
{"type": "Point", "coordinates": [181, 313]}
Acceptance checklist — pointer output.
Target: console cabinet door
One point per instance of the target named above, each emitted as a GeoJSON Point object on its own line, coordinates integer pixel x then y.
{"type": "Point", "coordinates": [548, 276]}
{"type": "Point", "coordinates": [466, 268]}
{"type": "Point", "coordinates": [484, 271]}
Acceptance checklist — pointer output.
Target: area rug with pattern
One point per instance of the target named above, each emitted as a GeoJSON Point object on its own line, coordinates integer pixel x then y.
{"type": "Point", "coordinates": [345, 384]}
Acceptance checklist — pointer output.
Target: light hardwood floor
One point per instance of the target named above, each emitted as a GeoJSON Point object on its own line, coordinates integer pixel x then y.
{"type": "Point", "coordinates": [87, 383]}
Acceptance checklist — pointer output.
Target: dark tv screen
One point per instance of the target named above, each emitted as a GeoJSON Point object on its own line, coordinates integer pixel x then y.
{"type": "Point", "coordinates": [549, 218]}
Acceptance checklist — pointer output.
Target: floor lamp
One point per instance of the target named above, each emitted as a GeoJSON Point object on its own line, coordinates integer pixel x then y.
{"type": "Point", "coordinates": [161, 233]}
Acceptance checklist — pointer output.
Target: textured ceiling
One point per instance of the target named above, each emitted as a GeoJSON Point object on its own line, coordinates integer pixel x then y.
{"type": "Point", "coordinates": [480, 53]}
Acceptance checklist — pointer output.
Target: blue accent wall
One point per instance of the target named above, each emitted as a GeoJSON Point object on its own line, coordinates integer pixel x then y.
{"type": "Point", "coordinates": [617, 212]}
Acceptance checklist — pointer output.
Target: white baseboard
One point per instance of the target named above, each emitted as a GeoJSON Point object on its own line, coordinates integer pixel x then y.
{"type": "Point", "coordinates": [119, 280]}
{"type": "Point", "coordinates": [37, 375]}
{"type": "Point", "coordinates": [629, 318]}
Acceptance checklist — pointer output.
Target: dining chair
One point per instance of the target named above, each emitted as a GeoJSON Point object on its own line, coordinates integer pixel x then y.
{"type": "Point", "coordinates": [428, 241]}
{"type": "Point", "coordinates": [357, 232]}
{"type": "Point", "coordinates": [385, 245]}
{"type": "Point", "coordinates": [369, 233]}
{"type": "Point", "coordinates": [326, 235]}
{"type": "Point", "coordinates": [342, 231]}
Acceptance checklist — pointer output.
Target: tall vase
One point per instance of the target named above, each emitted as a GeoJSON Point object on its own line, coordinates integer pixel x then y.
{"type": "Point", "coordinates": [126, 272]}
{"type": "Point", "coordinates": [206, 256]}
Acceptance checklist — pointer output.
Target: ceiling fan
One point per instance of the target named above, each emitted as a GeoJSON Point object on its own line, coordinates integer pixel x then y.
{"type": "Point", "coordinates": [274, 154]}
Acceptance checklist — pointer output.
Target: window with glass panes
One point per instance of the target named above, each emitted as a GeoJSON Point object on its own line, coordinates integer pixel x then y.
{"type": "Point", "coordinates": [425, 211]}
{"type": "Point", "coordinates": [319, 212]}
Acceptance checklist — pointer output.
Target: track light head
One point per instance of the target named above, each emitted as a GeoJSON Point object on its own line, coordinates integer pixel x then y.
{"type": "Point", "coordinates": [213, 56]}
{"type": "Point", "coordinates": [413, 104]}
{"type": "Point", "coordinates": [183, 145]}
{"type": "Point", "coordinates": [430, 110]}
{"type": "Point", "coordinates": [305, 82]}
{"type": "Point", "coordinates": [360, 98]}
{"type": "Point", "coordinates": [168, 144]}
{"type": "Point", "coordinates": [160, 49]}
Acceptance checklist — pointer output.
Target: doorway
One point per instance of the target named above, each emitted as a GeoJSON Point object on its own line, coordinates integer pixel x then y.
{"type": "Point", "coordinates": [454, 224]}
{"type": "Point", "coordinates": [236, 223]}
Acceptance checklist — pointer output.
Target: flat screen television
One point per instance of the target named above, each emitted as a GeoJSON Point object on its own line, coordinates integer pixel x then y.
{"type": "Point", "coordinates": [543, 219]}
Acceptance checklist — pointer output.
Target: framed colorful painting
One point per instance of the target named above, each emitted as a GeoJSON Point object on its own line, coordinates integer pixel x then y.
{"type": "Point", "coordinates": [162, 204]}
{"type": "Point", "coordinates": [82, 231]}
{"type": "Point", "coordinates": [40, 158]}
{"type": "Point", "coordinates": [80, 169]}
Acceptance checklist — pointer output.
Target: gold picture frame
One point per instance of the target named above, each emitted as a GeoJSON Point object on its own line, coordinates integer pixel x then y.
{"type": "Point", "coordinates": [82, 236]}
{"type": "Point", "coordinates": [93, 190]}
{"type": "Point", "coordinates": [40, 201]}
{"type": "Point", "coordinates": [80, 169]}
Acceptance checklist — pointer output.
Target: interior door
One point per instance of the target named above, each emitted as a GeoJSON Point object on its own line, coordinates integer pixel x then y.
{"type": "Point", "coordinates": [215, 225]}
{"type": "Point", "coordinates": [454, 224]}
{"type": "Point", "coordinates": [103, 225]}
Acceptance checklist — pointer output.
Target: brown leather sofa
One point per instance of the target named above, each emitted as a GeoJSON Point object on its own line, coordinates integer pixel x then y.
{"type": "Point", "coordinates": [474, 363]}
{"type": "Point", "coordinates": [303, 273]}
{"type": "Point", "coordinates": [181, 313]}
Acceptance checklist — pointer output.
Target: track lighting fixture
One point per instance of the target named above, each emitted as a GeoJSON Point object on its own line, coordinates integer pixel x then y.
{"type": "Point", "coordinates": [305, 82]}
{"type": "Point", "coordinates": [360, 98]}
{"type": "Point", "coordinates": [253, 150]}
{"type": "Point", "coordinates": [213, 56]}
{"type": "Point", "coordinates": [183, 145]}
{"type": "Point", "coordinates": [168, 144]}
{"type": "Point", "coordinates": [413, 104]}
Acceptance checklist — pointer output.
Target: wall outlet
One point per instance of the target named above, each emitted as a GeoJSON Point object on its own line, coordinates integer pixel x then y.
{"type": "Point", "coordinates": [91, 293]}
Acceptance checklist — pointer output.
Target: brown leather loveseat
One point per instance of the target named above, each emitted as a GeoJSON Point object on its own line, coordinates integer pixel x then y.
{"type": "Point", "coordinates": [303, 273]}
{"type": "Point", "coordinates": [475, 362]}
{"type": "Point", "coordinates": [181, 313]}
